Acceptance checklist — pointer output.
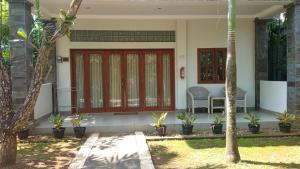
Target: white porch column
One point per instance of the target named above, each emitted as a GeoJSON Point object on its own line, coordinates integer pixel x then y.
{"type": "Point", "coordinates": [181, 60]}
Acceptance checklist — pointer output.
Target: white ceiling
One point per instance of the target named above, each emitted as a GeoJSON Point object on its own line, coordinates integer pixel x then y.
{"type": "Point", "coordinates": [165, 8]}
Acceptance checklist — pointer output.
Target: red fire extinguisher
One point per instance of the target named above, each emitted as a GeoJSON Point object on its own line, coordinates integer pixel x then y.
{"type": "Point", "coordinates": [182, 73]}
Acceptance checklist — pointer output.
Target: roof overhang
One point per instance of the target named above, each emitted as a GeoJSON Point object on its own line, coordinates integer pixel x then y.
{"type": "Point", "coordinates": [165, 9]}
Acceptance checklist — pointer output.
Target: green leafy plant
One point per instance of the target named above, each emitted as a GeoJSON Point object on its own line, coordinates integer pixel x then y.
{"type": "Point", "coordinates": [286, 118]}
{"type": "Point", "coordinates": [253, 119]}
{"type": "Point", "coordinates": [56, 120]}
{"type": "Point", "coordinates": [219, 119]}
{"type": "Point", "coordinates": [24, 125]}
{"type": "Point", "coordinates": [77, 118]}
{"type": "Point", "coordinates": [158, 120]}
{"type": "Point", "coordinates": [187, 118]}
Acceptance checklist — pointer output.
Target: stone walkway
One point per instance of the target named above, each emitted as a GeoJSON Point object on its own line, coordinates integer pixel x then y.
{"type": "Point", "coordinates": [114, 152]}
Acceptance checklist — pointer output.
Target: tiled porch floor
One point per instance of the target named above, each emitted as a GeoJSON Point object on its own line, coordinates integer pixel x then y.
{"type": "Point", "coordinates": [116, 123]}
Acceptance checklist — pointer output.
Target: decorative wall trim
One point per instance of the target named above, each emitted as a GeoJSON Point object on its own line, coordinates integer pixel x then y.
{"type": "Point", "coordinates": [122, 36]}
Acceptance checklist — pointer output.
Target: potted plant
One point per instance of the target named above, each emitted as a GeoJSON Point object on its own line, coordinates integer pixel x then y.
{"type": "Point", "coordinates": [253, 125]}
{"type": "Point", "coordinates": [187, 122]}
{"type": "Point", "coordinates": [23, 133]}
{"type": "Point", "coordinates": [159, 123]}
{"type": "Point", "coordinates": [57, 130]}
{"type": "Point", "coordinates": [217, 125]}
{"type": "Point", "coordinates": [285, 121]}
{"type": "Point", "coordinates": [76, 121]}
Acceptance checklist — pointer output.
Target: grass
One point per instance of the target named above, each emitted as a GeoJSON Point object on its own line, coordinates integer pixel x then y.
{"type": "Point", "coordinates": [46, 152]}
{"type": "Point", "coordinates": [256, 153]}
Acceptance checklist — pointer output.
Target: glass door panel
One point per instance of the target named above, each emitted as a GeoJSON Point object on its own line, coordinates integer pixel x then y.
{"type": "Point", "coordinates": [133, 94]}
{"type": "Point", "coordinates": [166, 81]}
{"type": "Point", "coordinates": [115, 81]}
{"type": "Point", "coordinates": [79, 81]}
{"type": "Point", "coordinates": [151, 80]}
{"type": "Point", "coordinates": [96, 82]}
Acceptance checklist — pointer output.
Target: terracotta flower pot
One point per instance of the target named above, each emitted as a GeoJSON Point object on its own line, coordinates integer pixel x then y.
{"type": "Point", "coordinates": [254, 129]}
{"type": "Point", "coordinates": [58, 132]}
{"type": "Point", "coordinates": [79, 132]}
{"type": "Point", "coordinates": [217, 128]}
{"type": "Point", "coordinates": [285, 128]}
{"type": "Point", "coordinates": [23, 134]}
{"type": "Point", "coordinates": [187, 130]}
{"type": "Point", "coordinates": [162, 130]}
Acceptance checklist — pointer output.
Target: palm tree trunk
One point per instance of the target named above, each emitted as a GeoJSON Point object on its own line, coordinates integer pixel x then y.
{"type": "Point", "coordinates": [232, 153]}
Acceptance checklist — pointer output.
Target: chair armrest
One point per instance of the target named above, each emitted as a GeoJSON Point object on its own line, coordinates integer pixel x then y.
{"type": "Point", "coordinates": [190, 98]}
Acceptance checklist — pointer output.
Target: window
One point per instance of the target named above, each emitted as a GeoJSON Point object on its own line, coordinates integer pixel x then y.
{"type": "Point", "coordinates": [211, 65]}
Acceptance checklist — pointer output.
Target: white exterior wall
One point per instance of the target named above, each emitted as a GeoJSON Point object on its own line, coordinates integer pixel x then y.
{"type": "Point", "coordinates": [190, 35]}
{"type": "Point", "coordinates": [44, 103]}
{"type": "Point", "coordinates": [212, 33]}
{"type": "Point", "coordinates": [273, 95]}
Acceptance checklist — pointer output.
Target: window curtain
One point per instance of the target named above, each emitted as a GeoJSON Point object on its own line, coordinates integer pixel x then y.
{"type": "Point", "coordinates": [133, 80]}
{"type": "Point", "coordinates": [115, 95]}
{"type": "Point", "coordinates": [79, 80]}
{"type": "Point", "coordinates": [151, 80]}
{"type": "Point", "coordinates": [96, 81]}
{"type": "Point", "coordinates": [166, 80]}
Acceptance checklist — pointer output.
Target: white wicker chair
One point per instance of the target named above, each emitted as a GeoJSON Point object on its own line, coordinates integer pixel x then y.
{"type": "Point", "coordinates": [241, 98]}
{"type": "Point", "coordinates": [198, 97]}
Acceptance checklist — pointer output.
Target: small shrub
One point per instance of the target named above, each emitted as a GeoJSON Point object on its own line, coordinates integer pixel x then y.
{"type": "Point", "coordinates": [158, 120]}
{"type": "Point", "coordinates": [187, 118]}
{"type": "Point", "coordinates": [253, 119]}
{"type": "Point", "coordinates": [56, 120]}
{"type": "Point", "coordinates": [77, 118]}
{"type": "Point", "coordinates": [286, 118]}
{"type": "Point", "coordinates": [219, 119]}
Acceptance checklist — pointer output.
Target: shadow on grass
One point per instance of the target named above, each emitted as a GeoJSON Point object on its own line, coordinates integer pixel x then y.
{"type": "Point", "coordinates": [244, 142]}
{"type": "Point", "coordinates": [161, 154]}
{"type": "Point", "coordinates": [280, 165]}
{"type": "Point", "coordinates": [46, 152]}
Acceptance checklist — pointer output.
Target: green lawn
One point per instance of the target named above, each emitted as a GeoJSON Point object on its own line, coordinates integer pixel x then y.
{"type": "Point", "coordinates": [46, 152]}
{"type": "Point", "coordinates": [256, 153]}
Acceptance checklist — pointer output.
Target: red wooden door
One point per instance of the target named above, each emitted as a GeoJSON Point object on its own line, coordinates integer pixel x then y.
{"type": "Point", "coordinates": [122, 80]}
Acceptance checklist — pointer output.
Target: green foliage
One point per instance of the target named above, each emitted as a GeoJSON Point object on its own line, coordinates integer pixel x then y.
{"type": "Point", "coordinates": [277, 45]}
{"type": "Point", "coordinates": [24, 125]}
{"type": "Point", "coordinates": [56, 120]}
{"type": "Point", "coordinates": [77, 118]}
{"type": "Point", "coordinates": [158, 120]}
{"type": "Point", "coordinates": [65, 21]}
{"type": "Point", "coordinates": [22, 33]}
{"type": "Point", "coordinates": [219, 119]}
{"type": "Point", "coordinates": [253, 119]}
{"type": "Point", "coordinates": [286, 118]}
{"type": "Point", "coordinates": [36, 33]}
{"type": "Point", "coordinates": [187, 118]}
{"type": "Point", "coordinates": [4, 34]}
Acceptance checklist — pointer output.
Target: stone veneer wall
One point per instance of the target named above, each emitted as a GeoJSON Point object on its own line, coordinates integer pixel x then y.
{"type": "Point", "coordinates": [293, 59]}
{"type": "Point", "coordinates": [261, 56]}
{"type": "Point", "coordinates": [21, 51]}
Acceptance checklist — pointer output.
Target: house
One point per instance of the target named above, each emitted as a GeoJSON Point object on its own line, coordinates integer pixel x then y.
{"type": "Point", "coordinates": [142, 55]}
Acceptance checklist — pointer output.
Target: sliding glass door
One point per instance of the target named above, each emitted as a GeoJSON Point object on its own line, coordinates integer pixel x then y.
{"type": "Point", "coordinates": [122, 80]}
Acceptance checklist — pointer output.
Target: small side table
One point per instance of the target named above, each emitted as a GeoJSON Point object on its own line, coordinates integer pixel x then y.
{"type": "Point", "coordinates": [219, 106]}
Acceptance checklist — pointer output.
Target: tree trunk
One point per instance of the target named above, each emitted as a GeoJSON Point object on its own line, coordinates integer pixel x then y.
{"type": "Point", "coordinates": [41, 67]}
{"type": "Point", "coordinates": [232, 153]}
{"type": "Point", "coordinates": [8, 150]}
{"type": "Point", "coordinates": [9, 118]}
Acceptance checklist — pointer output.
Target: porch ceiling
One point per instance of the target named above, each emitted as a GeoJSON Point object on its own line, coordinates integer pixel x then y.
{"type": "Point", "coordinates": [168, 9]}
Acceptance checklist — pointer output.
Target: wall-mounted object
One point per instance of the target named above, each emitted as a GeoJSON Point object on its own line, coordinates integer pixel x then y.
{"type": "Point", "coordinates": [61, 59]}
{"type": "Point", "coordinates": [182, 73]}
